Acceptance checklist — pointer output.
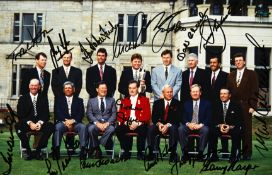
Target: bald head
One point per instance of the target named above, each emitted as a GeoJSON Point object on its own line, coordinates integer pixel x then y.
{"type": "Point", "coordinates": [34, 86]}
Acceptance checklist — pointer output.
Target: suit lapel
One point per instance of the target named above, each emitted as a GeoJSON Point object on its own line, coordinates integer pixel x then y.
{"type": "Point", "coordinates": [62, 73]}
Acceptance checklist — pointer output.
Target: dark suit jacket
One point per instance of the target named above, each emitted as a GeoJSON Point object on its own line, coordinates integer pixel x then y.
{"type": "Point", "coordinates": [204, 113]}
{"type": "Point", "coordinates": [77, 109]}
{"type": "Point", "coordinates": [25, 109]}
{"type": "Point", "coordinates": [248, 89]}
{"type": "Point", "coordinates": [93, 77]}
{"type": "Point", "coordinates": [199, 78]}
{"type": "Point", "coordinates": [126, 76]}
{"type": "Point", "coordinates": [234, 114]}
{"type": "Point", "coordinates": [174, 112]}
{"type": "Point", "coordinates": [30, 74]}
{"type": "Point", "coordinates": [59, 77]}
{"type": "Point", "coordinates": [213, 93]}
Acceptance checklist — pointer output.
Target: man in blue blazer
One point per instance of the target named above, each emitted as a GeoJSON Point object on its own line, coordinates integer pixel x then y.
{"type": "Point", "coordinates": [196, 119]}
{"type": "Point", "coordinates": [101, 112]}
{"type": "Point", "coordinates": [166, 74]}
{"type": "Point", "coordinates": [69, 115]}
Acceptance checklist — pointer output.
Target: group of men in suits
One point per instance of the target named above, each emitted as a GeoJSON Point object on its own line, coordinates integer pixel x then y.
{"type": "Point", "coordinates": [199, 110]}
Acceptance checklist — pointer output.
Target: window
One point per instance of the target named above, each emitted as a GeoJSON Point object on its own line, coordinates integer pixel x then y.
{"type": "Point", "coordinates": [26, 26]}
{"type": "Point", "coordinates": [262, 68]}
{"type": "Point", "coordinates": [233, 51]}
{"type": "Point", "coordinates": [217, 8]}
{"type": "Point", "coordinates": [17, 71]}
{"type": "Point", "coordinates": [239, 8]}
{"type": "Point", "coordinates": [130, 26]}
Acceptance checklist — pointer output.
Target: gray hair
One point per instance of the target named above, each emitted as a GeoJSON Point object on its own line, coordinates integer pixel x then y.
{"type": "Point", "coordinates": [193, 55]}
{"type": "Point", "coordinates": [196, 85]}
{"type": "Point", "coordinates": [68, 83]}
{"type": "Point", "coordinates": [166, 86]}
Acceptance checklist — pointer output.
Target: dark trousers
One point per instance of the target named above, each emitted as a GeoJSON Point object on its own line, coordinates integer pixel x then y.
{"type": "Point", "coordinates": [247, 133]}
{"type": "Point", "coordinates": [153, 131]}
{"type": "Point", "coordinates": [235, 134]}
{"type": "Point", "coordinates": [184, 131]}
{"type": "Point", "coordinates": [46, 130]}
{"type": "Point", "coordinates": [126, 141]}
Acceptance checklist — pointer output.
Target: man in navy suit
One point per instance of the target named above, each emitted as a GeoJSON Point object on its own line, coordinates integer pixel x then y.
{"type": "Point", "coordinates": [193, 75]}
{"type": "Point", "coordinates": [196, 119]}
{"type": "Point", "coordinates": [135, 73]}
{"type": "Point", "coordinates": [216, 79]}
{"type": "Point", "coordinates": [101, 72]}
{"type": "Point", "coordinates": [101, 112]}
{"type": "Point", "coordinates": [69, 115]}
{"type": "Point", "coordinates": [166, 74]}
{"type": "Point", "coordinates": [229, 120]}
{"type": "Point", "coordinates": [66, 73]}
{"type": "Point", "coordinates": [33, 114]}
{"type": "Point", "coordinates": [37, 72]}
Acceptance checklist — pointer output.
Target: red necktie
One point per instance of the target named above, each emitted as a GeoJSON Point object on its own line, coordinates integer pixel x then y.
{"type": "Point", "coordinates": [191, 78]}
{"type": "Point", "coordinates": [101, 72]}
{"type": "Point", "coordinates": [166, 112]}
{"type": "Point", "coordinates": [213, 79]}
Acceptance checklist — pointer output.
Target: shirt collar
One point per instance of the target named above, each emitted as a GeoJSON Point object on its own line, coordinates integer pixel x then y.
{"type": "Point", "coordinates": [194, 69]}
{"type": "Point", "coordinates": [168, 67]}
{"type": "Point", "coordinates": [134, 97]}
{"type": "Point", "coordinates": [32, 96]}
{"type": "Point", "coordinates": [226, 103]}
{"type": "Point", "coordinates": [198, 101]}
{"type": "Point", "coordinates": [216, 72]}
{"type": "Point", "coordinates": [241, 70]}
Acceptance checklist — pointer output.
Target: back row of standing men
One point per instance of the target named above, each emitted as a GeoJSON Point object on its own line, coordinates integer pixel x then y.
{"type": "Point", "coordinates": [211, 81]}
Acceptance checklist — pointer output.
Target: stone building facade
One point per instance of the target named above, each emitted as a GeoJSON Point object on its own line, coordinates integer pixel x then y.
{"type": "Point", "coordinates": [90, 24]}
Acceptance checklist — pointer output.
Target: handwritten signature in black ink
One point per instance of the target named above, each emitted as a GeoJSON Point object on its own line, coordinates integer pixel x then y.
{"type": "Point", "coordinates": [104, 35]}
{"type": "Point", "coordinates": [29, 45]}
{"type": "Point", "coordinates": [10, 121]}
{"type": "Point", "coordinates": [59, 50]}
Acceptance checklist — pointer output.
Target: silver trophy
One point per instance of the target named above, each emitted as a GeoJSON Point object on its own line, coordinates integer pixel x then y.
{"type": "Point", "coordinates": [142, 77]}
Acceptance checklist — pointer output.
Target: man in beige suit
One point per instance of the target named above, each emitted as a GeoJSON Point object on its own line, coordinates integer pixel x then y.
{"type": "Point", "coordinates": [244, 86]}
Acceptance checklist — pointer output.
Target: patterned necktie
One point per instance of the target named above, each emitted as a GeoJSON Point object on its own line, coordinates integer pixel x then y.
{"type": "Point", "coordinates": [42, 78]}
{"type": "Point", "coordinates": [225, 111]}
{"type": "Point", "coordinates": [166, 72]}
{"type": "Point", "coordinates": [239, 79]}
{"type": "Point", "coordinates": [191, 78]}
{"type": "Point", "coordinates": [66, 72]}
{"type": "Point", "coordinates": [35, 106]}
{"type": "Point", "coordinates": [195, 114]}
{"type": "Point", "coordinates": [101, 72]}
{"type": "Point", "coordinates": [213, 79]}
{"type": "Point", "coordinates": [102, 105]}
{"type": "Point", "coordinates": [166, 112]}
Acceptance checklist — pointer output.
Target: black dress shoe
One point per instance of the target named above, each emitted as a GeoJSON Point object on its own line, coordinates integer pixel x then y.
{"type": "Point", "coordinates": [56, 153]}
{"type": "Point", "coordinates": [246, 157]}
{"type": "Point", "coordinates": [140, 156]}
{"type": "Point", "coordinates": [213, 158]}
{"type": "Point", "coordinates": [82, 154]}
{"type": "Point", "coordinates": [185, 157]}
{"type": "Point", "coordinates": [98, 153]}
{"type": "Point", "coordinates": [200, 156]}
{"type": "Point", "coordinates": [39, 155]}
{"type": "Point", "coordinates": [28, 155]}
{"type": "Point", "coordinates": [126, 155]}
{"type": "Point", "coordinates": [173, 157]}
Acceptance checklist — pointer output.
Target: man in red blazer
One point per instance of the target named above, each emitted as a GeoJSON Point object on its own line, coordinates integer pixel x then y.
{"type": "Point", "coordinates": [133, 116]}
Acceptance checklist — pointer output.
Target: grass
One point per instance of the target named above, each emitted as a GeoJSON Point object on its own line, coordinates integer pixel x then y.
{"type": "Point", "coordinates": [133, 166]}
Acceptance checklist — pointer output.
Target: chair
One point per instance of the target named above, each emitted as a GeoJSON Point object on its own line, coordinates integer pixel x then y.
{"type": "Point", "coordinates": [130, 134]}
{"type": "Point", "coordinates": [75, 144]}
{"type": "Point", "coordinates": [228, 137]}
{"type": "Point", "coordinates": [165, 150]}
{"type": "Point", "coordinates": [107, 150]}
{"type": "Point", "coordinates": [29, 134]}
{"type": "Point", "coordinates": [193, 145]}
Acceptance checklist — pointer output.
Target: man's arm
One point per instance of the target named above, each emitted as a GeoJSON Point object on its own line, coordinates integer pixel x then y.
{"type": "Point", "coordinates": [78, 82]}
{"type": "Point", "coordinates": [178, 81]}
{"type": "Point", "coordinates": [123, 85]}
{"type": "Point", "coordinates": [154, 83]}
{"type": "Point", "coordinates": [112, 118]}
{"type": "Point", "coordinates": [90, 114]}
{"type": "Point", "coordinates": [148, 82]}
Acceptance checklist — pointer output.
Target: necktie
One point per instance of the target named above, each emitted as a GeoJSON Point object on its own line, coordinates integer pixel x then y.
{"type": "Point", "coordinates": [213, 79]}
{"type": "Point", "coordinates": [191, 78]}
{"type": "Point", "coordinates": [101, 72]}
{"type": "Point", "coordinates": [42, 78]}
{"type": "Point", "coordinates": [195, 114]}
{"type": "Point", "coordinates": [225, 111]}
{"type": "Point", "coordinates": [166, 112]}
{"type": "Point", "coordinates": [69, 105]}
{"type": "Point", "coordinates": [66, 72]}
{"type": "Point", "coordinates": [136, 75]}
{"type": "Point", "coordinates": [35, 106]}
{"type": "Point", "coordinates": [239, 79]}
{"type": "Point", "coordinates": [166, 72]}
{"type": "Point", "coordinates": [102, 105]}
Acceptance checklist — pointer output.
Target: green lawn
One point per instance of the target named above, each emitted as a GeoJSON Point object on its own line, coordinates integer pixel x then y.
{"type": "Point", "coordinates": [133, 166]}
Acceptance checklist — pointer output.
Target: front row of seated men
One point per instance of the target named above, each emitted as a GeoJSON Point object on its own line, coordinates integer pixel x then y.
{"type": "Point", "coordinates": [169, 118]}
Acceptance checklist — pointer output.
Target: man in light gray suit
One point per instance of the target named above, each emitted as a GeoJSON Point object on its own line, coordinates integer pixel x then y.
{"type": "Point", "coordinates": [166, 74]}
{"type": "Point", "coordinates": [101, 111]}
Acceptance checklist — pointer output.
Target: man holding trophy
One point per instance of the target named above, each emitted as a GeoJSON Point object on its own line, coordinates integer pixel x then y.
{"type": "Point", "coordinates": [137, 73]}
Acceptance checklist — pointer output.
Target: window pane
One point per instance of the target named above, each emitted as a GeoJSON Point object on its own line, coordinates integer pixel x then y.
{"type": "Point", "coordinates": [132, 20]}
{"type": "Point", "coordinates": [14, 77]}
{"type": "Point", "coordinates": [39, 19]}
{"type": "Point", "coordinates": [27, 33]}
{"type": "Point", "coordinates": [16, 27]}
{"type": "Point", "coordinates": [144, 22]}
{"type": "Point", "coordinates": [28, 19]}
{"type": "Point", "coordinates": [132, 28]}
{"type": "Point", "coordinates": [120, 36]}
